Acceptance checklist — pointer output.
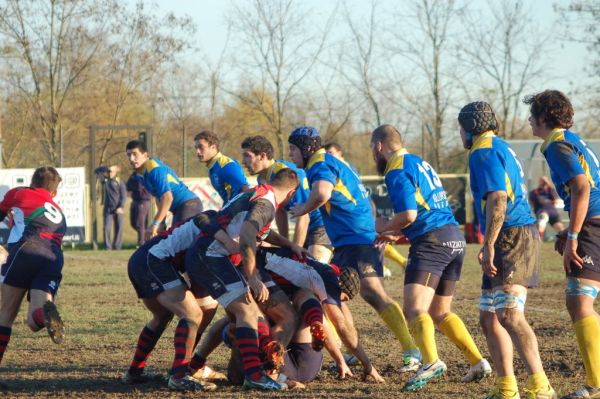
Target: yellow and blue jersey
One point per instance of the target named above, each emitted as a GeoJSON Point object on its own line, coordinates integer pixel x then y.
{"type": "Point", "coordinates": [347, 215]}
{"type": "Point", "coordinates": [568, 156]}
{"type": "Point", "coordinates": [494, 166]}
{"type": "Point", "coordinates": [158, 178]}
{"type": "Point", "coordinates": [226, 176]}
{"type": "Point", "coordinates": [301, 194]}
{"type": "Point", "coordinates": [413, 185]}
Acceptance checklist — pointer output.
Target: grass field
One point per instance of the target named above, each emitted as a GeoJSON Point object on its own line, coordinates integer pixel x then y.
{"type": "Point", "coordinates": [104, 317]}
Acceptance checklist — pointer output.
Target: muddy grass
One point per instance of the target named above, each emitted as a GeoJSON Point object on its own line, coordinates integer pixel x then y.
{"type": "Point", "coordinates": [104, 318]}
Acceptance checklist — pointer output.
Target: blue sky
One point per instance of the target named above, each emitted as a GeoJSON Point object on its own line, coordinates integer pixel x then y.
{"type": "Point", "coordinates": [209, 16]}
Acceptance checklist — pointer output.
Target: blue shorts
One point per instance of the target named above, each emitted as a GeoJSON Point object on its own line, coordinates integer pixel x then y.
{"type": "Point", "coordinates": [302, 363]}
{"type": "Point", "coordinates": [365, 259]}
{"type": "Point", "coordinates": [33, 264]}
{"type": "Point", "coordinates": [149, 275]}
{"type": "Point", "coordinates": [440, 252]}
{"type": "Point", "coordinates": [222, 280]}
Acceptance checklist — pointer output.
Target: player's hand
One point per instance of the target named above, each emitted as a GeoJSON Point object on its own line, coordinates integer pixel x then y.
{"type": "Point", "coordinates": [299, 251]}
{"type": "Point", "coordinates": [383, 239]}
{"type": "Point", "coordinates": [119, 211]}
{"type": "Point", "coordinates": [486, 259]}
{"type": "Point", "coordinates": [570, 256]}
{"type": "Point", "coordinates": [344, 371]}
{"type": "Point", "coordinates": [152, 232]}
{"type": "Point", "coordinates": [372, 373]}
{"type": "Point", "coordinates": [259, 289]}
{"type": "Point", "coordinates": [297, 210]}
{"type": "Point", "coordinates": [561, 241]}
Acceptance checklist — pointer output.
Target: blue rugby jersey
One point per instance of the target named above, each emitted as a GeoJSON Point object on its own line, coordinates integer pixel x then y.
{"type": "Point", "coordinates": [158, 178]}
{"type": "Point", "coordinates": [347, 215]}
{"type": "Point", "coordinates": [302, 193]}
{"type": "Point", "coordinates": [413, 185]}
{"type": "Point", "coordinates": [226, 176]}
{"type": "Point", "coordinates": [494, 166]}
{"type": "Point", "coordinates": [568, 156]}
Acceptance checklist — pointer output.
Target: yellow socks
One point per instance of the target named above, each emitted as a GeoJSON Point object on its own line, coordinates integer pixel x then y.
{"type": "Point", "coordinates": [454, 328]}
{"type": "Point", "coordinates": [587, 331]}
{"type": "Point", "coordinates": [394, 319]}
{"type": "Point", "coordinates": [537, 382]}
{"type": "Point", "coordinates": [507, 384]}
{"type": "Point", "coordinates": [395, 256]}
{"type": "Point", "coordinates": [423, 331]}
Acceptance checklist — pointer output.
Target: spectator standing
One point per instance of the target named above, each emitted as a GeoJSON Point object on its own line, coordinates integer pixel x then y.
{"type": "Point", "coordinates": [115, 194]}
{"type": "Point", "coordinates": [140, 205]}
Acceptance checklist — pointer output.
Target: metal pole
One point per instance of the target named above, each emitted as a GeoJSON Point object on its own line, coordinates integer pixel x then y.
{"type": "Point", "coordinates": [183, 151]}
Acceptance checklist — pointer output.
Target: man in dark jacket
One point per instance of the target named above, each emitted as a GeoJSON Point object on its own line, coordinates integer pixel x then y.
{"type": "Point", "coordinates": [115, 195]}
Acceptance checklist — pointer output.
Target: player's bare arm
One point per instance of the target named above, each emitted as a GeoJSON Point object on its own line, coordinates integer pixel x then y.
{"type": "Point", "coordinates": [320, 193]}
{"type": "Point", "coordinates": [579, 188]}
{"type": "Point", "coordinates": [495, 212]}
{"type": "Point", "coordinates": [400, 221]}
{"type": "Point", "coordinates": [280, 241]}
{"type": "Point", "coordinates": [248, 251]}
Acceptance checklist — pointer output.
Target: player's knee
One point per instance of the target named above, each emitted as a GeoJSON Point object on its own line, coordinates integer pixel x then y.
{"type": "Point", "coordinates": [511, 319]}
{"type": "Point", "coordinates": [487, 321]}
{"type": "Point", "coordinates": [374, 297]}
{"type": "Point", "coordinates": [438, 316]}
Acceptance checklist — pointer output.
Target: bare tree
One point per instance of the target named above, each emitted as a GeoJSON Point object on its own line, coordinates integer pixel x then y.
{"type": "Point", "coordinates": [506, 50]}
{"type": "Point", "coordinates": [425, 46]}
{"type": "Point", "coordinates": [51, 44]}
{"type": "Point", "coordinates": [281, 51]}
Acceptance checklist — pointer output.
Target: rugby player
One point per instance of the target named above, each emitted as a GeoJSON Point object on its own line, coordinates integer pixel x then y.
{"type": "Point", "coordinates": [35, 261]}
{"type": "Point", "coordinates": [226, 174]}
{"type": "Point", "coordinates": [435, 257]}
{"type": "Point", "coordinates": [575, 171]}
{"type": "Point", "coordinates": [155, 272]}
{"type": "Point", "coordinates": [336, 190]}
{"type": "Point", "coordinates": [171, 193]}
{"type": "Point", "coordinates": [246, 218]}
{"type": "Point", "coordinates": [510, 254]}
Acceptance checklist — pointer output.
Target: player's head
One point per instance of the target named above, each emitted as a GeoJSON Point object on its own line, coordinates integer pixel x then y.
{"type": "Point", "coordinates": [384, 140]}
{"type": "Point", "coordinates": [476, 118]}
{"type": "Point", "coordinates": [207, 145]}
{"type": "Point", "coordinates": [257, 152]}
{"type": "Point", "coordinates": [46, 177]}
{"type": "Point", "coordinates": [549, 109]}
{"type": "Point", "coordinates": [137, 153]}
{"type": "Point", "coordinates": [334, 149]}
{"type": "Point", "coordinates": [304, 141]}
{"type": "Point", "coordinates": [286, 182]}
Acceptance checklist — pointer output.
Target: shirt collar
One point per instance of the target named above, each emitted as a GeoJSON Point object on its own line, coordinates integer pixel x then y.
{"type": "Point", "coordinates": [216, 158]}
{"type": "Point", "coordinates": [552, 136]}
{"type": "Point", "coordinates": [397, 154]}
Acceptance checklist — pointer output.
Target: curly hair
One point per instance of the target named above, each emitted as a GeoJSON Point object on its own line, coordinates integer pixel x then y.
{"type": "Point", "coordinates": [258, 144]}
{"type": "Point", "coordinates": [552, 108]}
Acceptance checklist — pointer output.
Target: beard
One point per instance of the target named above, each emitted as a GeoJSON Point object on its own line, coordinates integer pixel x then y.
{"type": "Point", "coordinates": [380, 164]}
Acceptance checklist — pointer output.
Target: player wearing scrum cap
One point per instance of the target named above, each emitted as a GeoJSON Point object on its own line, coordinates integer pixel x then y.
{"type": "Point", "coordinates": [510, 254]}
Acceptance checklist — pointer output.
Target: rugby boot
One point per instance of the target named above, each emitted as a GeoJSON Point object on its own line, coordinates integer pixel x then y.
{"type": "Point", "coordinates": [265, 383]}
{"type": "Point", "coordinates": [319, 336]}
{"type": "Point", "coordinates": [496, 393]}
{"type": "Point", "coordinates": [584, 392]}
{"type": "Point", "coordinates": [188, 383]}
{"type": "Point", "coordinates": [478, 371]}
{"type": "Point", "coordinates": [547, 393]}
{"type": "Point", "coordinates": [53, 322]}
{"type": "Point", "coordinates": [208, 374]}
{"type": "Point", "coordinates": [411, 361]}
{"type": "Point", "coordinates": [424, 374]}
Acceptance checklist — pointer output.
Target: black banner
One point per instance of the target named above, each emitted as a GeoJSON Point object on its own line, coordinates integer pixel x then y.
{"type": "Point", "coordinates": [455, 186]}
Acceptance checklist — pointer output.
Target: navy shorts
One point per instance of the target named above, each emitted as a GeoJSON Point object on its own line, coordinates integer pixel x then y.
{"type": "Point", "coordinates": [223, 281]}
{"type": "Point", "coordinates": [588, 248]}
{"type": "Point", "coordinates": [302, 363]}
{"type": "Point", "coordinates": [149, 275]}
{"type": "Point", "coordinates": [440, 252]}
{"type": "Point", "coordinates": [187, 210]}
{"type": "Point", "coordinates": [365, 259]}
{"type": "Point", "coordinates": [33, 264]}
